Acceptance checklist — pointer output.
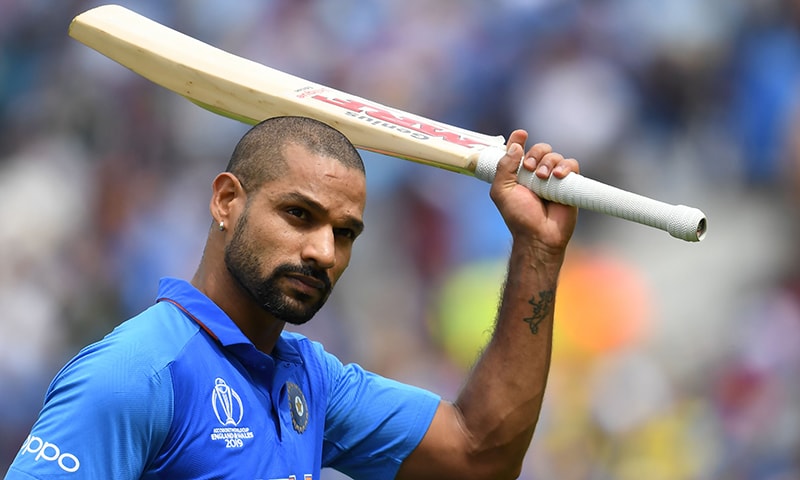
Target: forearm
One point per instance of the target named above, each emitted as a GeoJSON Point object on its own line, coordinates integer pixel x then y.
{"type": "Point", "coordinates": [485, 433]}
{"type": "Point", "coordinates": [501, 400]}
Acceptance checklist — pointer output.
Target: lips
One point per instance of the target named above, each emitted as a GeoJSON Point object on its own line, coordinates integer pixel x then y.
{"type": "Point", "coordinates": [311, 282]}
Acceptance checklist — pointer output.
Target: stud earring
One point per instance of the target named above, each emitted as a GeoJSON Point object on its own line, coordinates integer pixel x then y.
{"type": "Point", "coordinates": [221, 226]}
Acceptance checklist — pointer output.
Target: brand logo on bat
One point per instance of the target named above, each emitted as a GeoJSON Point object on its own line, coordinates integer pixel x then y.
{"type": "Point", "coordinates": [380, 115]}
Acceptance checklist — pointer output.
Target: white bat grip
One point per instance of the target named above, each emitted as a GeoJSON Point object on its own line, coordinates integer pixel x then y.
{"type": "Point", "coordinates": [680, 221]}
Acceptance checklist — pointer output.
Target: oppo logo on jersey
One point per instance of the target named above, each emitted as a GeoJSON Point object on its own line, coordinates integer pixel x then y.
{"type": "Point", "coordinates": [49, 452]}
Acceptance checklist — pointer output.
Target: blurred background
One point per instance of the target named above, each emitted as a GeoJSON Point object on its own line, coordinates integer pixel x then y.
{"type": "Point", "coordinates": [672, 360]}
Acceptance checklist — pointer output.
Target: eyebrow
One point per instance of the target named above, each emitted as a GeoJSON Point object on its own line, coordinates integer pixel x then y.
{"type": "Point", "coordinates": [350, 222]}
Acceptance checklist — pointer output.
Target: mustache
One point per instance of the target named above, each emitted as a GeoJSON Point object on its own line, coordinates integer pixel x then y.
{"type": "Point", "coordinates": [305, 270]}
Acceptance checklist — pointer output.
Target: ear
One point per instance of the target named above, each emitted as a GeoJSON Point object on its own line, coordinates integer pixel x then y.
{"type": "Point", "coordinates": [227, 199]}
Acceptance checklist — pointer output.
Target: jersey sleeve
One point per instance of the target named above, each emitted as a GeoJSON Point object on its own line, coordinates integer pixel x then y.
{"type": "Point", "coordinates": [373, 423]}
{"type": "Point", "coordinates": [105, 415]}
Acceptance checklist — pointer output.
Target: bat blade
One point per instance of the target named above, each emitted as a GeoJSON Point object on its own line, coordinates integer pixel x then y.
{"type": "Point", "coordinates": [249, 92]}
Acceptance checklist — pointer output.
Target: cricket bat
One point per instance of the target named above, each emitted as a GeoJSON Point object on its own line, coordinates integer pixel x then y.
{"type": "Point", "coordinates": [249, 92]}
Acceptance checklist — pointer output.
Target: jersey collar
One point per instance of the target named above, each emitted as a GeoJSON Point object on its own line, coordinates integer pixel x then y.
{"type": "Point", "coordinates": [203, 311]}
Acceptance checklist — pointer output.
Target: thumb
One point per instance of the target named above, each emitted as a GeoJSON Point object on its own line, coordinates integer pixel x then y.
{"type": "Point", "coordinates": [505, 177]}
{"type": "Point", "coordinates": [508, 165]}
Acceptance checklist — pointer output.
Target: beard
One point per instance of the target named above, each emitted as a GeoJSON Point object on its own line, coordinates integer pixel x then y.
{"type": "Point", "coordinates": [241, 262]}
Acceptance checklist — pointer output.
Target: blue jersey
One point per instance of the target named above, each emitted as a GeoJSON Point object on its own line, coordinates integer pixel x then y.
{"type": "Point", "coordinates": [179, 392]}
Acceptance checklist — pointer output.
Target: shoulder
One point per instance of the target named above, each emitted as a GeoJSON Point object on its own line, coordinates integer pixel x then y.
{"type": "Point", "coordinates": [134, 355]}
{"type": "Point", "coordinates": [311, 353]}
{"type": "Point", "coordinates": [119, 391]}
{"type": "Point", "coordinates": [301, 345]}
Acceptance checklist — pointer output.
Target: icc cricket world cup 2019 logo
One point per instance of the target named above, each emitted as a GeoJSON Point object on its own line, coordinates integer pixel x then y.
{"type": "Point", "coordinates": [228, 409]}
{"type": "Point", "coordinates": [227, 404]}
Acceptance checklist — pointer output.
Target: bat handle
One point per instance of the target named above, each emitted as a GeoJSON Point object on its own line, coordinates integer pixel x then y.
{"type": "Point", "coordinates": [680, 221]}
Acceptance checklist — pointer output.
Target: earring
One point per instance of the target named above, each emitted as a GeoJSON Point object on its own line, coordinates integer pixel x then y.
{"type": "Point", "coordinates": [221, 226]}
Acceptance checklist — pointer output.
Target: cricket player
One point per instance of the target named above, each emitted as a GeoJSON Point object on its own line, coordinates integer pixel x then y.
{"type": "Point", "coordinates": [205, 383]}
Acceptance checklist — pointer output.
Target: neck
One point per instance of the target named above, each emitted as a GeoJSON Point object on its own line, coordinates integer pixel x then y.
{"type": "Point", "coordinates": [257, 325]}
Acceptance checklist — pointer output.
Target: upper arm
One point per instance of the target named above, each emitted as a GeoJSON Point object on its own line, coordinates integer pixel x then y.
{"type": "Point", "coordinates": [372, 423]}
{"type": "Point", "coordinates": [441, 453]}
{"type": "Point", "coordinates": [99, 420]}
{"type": "Point", "coordinates": [448, 450]}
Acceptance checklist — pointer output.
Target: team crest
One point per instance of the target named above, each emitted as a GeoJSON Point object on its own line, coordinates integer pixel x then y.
{"type": "Point", "coordinates": [298, 407]}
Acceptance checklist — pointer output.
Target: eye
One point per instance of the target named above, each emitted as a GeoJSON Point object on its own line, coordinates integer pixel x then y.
{"type": "Point", "coordinates": [297, 212]}
{"type": "Point", "coordinates": [345, 233]}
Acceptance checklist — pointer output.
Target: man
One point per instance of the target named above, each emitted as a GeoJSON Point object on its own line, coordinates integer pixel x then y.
{"type": "Point", "coordinates": [206, 384]}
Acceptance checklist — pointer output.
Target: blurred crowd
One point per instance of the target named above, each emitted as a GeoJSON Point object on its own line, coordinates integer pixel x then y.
{"type": "Point", "coordinates": [672, 360]}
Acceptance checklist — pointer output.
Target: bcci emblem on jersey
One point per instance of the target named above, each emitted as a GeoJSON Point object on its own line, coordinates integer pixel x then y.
{"type": "Point", "coordinates": [298, 407]}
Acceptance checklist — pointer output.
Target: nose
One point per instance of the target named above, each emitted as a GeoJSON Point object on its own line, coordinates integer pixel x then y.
{"type": "Point", "coordinates": [320, 248]}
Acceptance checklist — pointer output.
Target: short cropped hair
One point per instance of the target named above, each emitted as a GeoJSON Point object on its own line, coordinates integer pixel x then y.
{"type": "Point", "coordinates": [259, 156]}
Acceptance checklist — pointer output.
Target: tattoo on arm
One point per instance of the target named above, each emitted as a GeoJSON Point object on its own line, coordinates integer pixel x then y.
{"type": "Point", "coordinates": [541, 309]}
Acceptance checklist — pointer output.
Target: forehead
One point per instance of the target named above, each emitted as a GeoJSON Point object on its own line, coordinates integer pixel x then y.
{"type": "Point", "coordinates": [324, 179]}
